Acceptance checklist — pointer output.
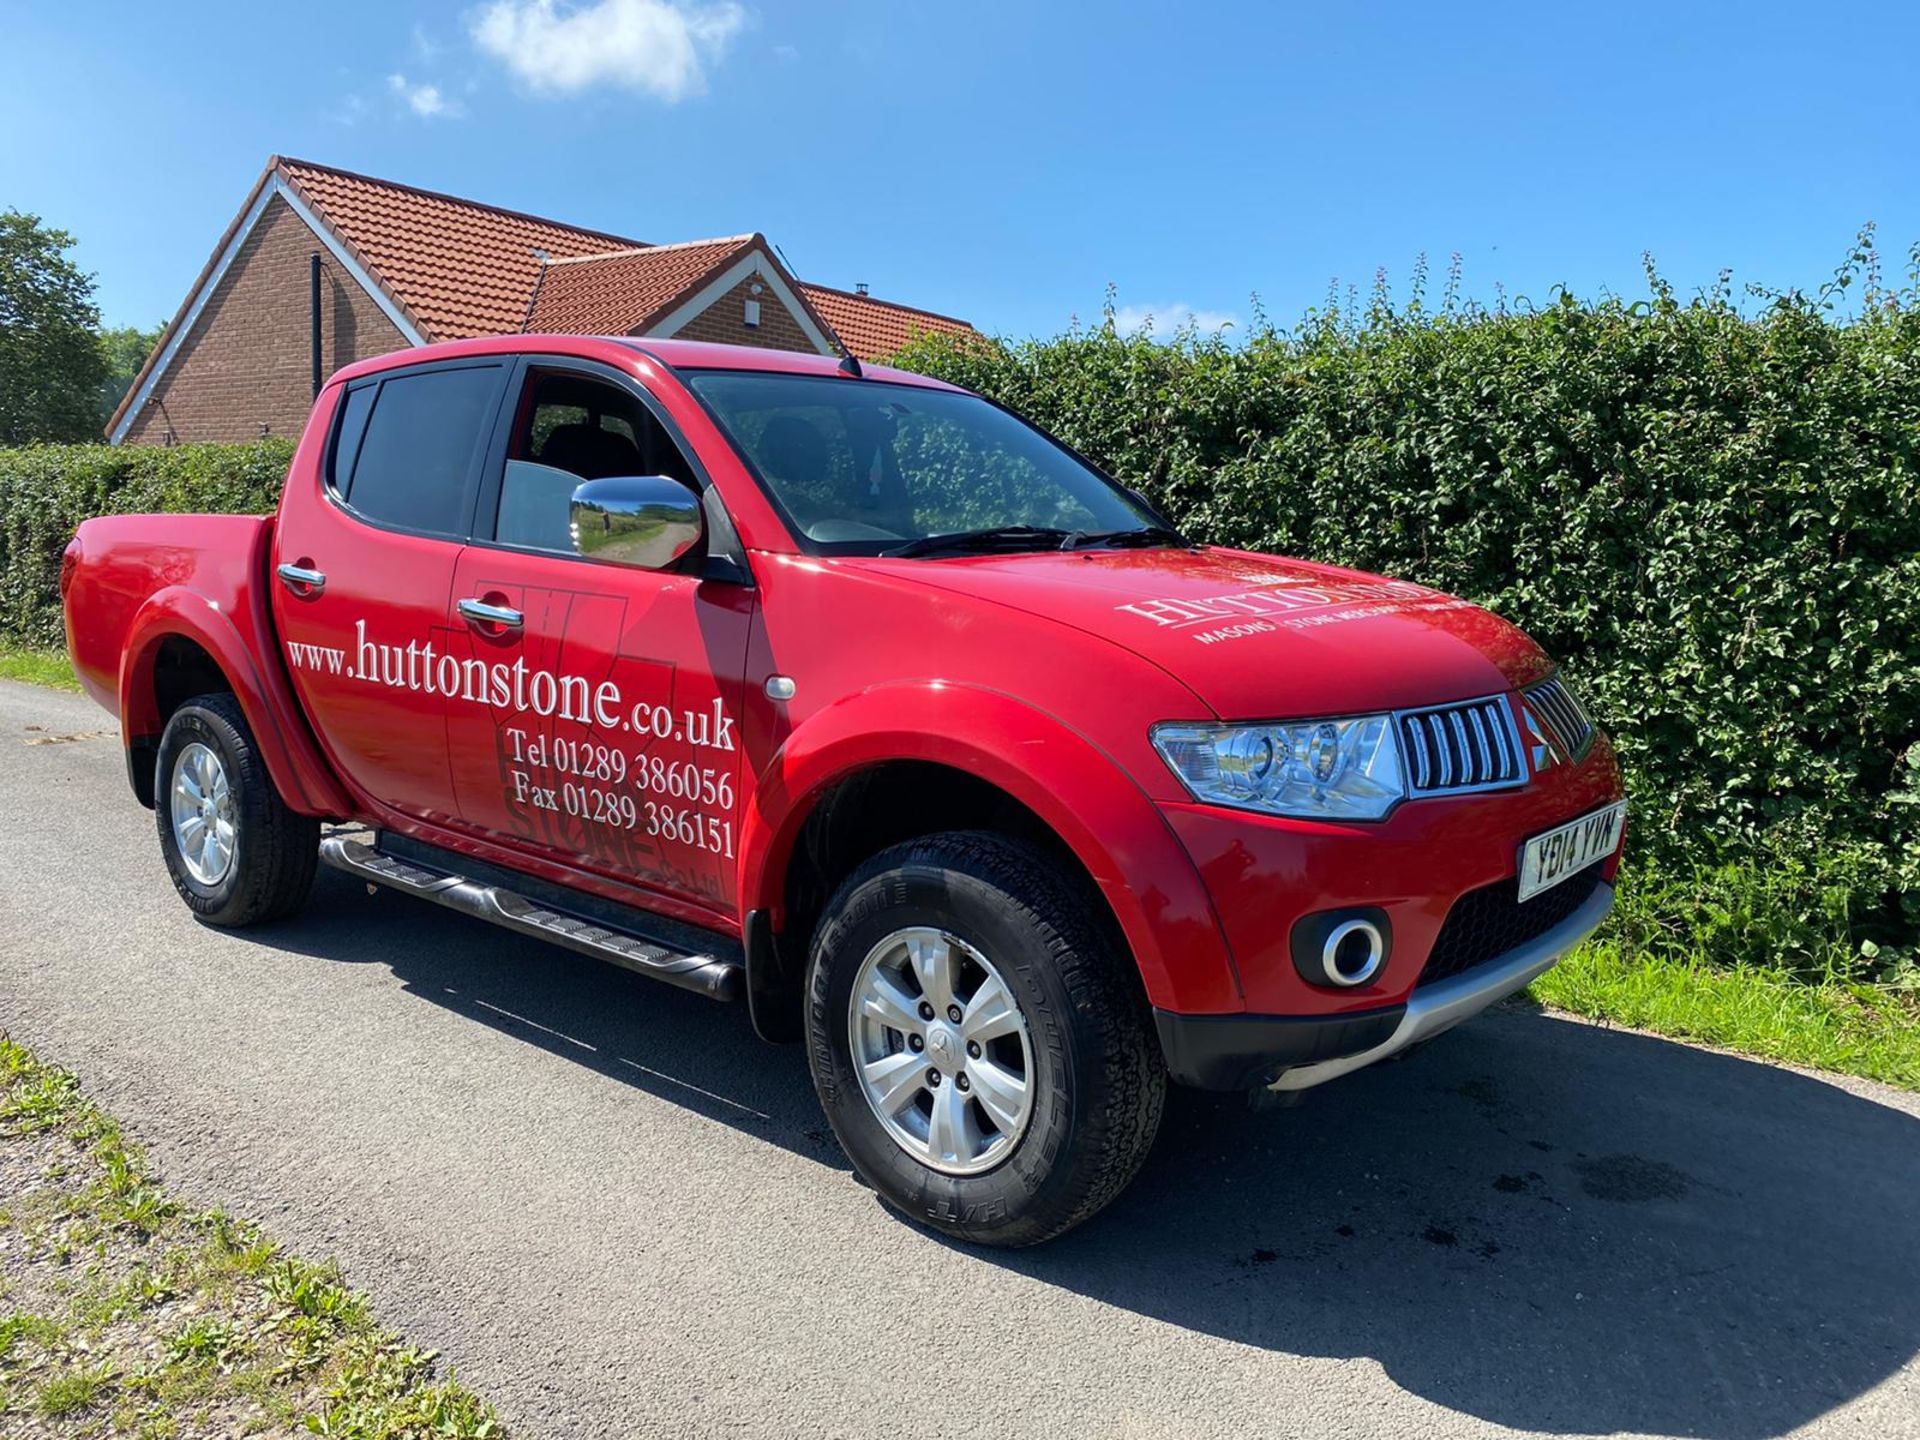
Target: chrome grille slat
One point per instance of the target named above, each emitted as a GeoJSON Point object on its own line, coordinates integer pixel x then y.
{"type": "Point", "coordinates": [1460, 744]}
{"type": "Point", "coordinates": [1562, 714]}
{"type": "Point", "coordinates": [1485, 739]}
{"type": "Point", "coordinates": [1453, 749]}
{"type": "Point", "coordinates": [1416, 747]}
{"type": "Point", "coordinates": [1509, 754]}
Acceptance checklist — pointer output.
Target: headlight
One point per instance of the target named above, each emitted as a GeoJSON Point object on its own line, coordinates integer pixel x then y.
{"type": "Point", "coordinates": [1319, 769]}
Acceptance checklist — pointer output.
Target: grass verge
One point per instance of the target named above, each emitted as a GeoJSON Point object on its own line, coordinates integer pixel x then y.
{"type": "Point", "coordinates": [1854, 1028]}
{"type": "Point", "coordinates": [37, 667]}
{"type": "Point", "coordinates": [124, 1313]}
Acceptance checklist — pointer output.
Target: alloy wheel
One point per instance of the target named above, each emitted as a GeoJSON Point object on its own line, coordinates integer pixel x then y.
{"type": "Point", "coordinates": [943, 1053]}
{"type": "Point", "coordinates": [202, 808]}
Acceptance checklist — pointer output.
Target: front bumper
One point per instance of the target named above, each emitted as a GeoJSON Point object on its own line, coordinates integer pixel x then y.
{"type": "Point", "coordinates": [1246, 1052]}
{"type": "Point", "coordinates": [1264, 873]}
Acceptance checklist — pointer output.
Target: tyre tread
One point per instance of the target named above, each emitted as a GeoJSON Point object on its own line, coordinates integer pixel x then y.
{"type": "Point", "coordinates": [281, 850]}
{"type": "Point", "coordinates": [1105, 995]}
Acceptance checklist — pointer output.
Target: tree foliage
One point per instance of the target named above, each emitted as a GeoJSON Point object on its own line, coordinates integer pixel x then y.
{"type": "Point", "coordinates": [1708, 509]}
{"type": "Point", "coordinates": [52, 365]}
{"type": "Point", "coordinates": [126, 348]}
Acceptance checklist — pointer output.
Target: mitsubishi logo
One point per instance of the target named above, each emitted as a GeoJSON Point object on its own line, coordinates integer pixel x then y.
{"type": "Point", "coordinates": [1539, 745]}
{"type": "Point", "coordinates": [941, 1046]}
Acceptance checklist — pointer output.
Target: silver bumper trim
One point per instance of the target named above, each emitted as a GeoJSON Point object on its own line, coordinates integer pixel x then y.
{"type": "Point", "coordinates": [1446, 1003]}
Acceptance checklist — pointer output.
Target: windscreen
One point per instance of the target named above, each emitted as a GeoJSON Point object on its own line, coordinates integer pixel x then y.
{"type": "Point", "coordinates": [864, 467]}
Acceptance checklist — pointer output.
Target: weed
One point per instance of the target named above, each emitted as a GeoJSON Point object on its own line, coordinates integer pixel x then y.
{"type": "Point", "coordinates": [184, 1320]}
{"type": "Point", "coordinates": [75, 1390]}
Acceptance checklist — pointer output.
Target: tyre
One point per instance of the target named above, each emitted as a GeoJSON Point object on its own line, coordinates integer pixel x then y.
{"type": "Point", "coordinates": [982, 1049]}
{"type": "Point", "coordinates": [237, 854]}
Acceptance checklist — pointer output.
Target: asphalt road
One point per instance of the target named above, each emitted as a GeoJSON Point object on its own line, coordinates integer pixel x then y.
{"type": "Point", "coordinates": [617, 1213]}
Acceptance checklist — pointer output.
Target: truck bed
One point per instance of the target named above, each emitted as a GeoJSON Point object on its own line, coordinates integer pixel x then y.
{"type": "Point", "coordinates": [118, 563]}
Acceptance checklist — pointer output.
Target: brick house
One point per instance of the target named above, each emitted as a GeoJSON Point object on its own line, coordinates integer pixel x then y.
{"type": "Point", "coordinates": [323, 267]}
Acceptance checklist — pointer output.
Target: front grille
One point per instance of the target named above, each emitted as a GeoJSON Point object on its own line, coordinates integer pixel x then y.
{"type": "Point", "coordinates": [1485, 924]}
{"type": "Point", "coordinates": [1564, 715]}
{"type": "Point", "coordinates": [1469, 746]}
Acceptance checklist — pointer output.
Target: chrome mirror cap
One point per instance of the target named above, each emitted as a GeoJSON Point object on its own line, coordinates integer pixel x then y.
{"type": "Point", "coordinates": [645, 520]}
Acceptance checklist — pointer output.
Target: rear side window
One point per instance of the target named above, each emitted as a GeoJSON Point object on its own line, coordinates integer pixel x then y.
{"type": "Point", "coordinates": [354, 411]}
{"type": "Point", "coordinates": [416, 455]}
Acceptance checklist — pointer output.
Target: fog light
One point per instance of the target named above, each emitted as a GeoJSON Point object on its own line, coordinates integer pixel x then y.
{"type": "Point", "coordinates": [1352, 953]}
{"type": "Point", "coordinates": [1342, 948]}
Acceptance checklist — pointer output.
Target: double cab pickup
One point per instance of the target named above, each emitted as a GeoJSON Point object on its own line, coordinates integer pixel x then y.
{"type": "Point", "coordinates": [849, 695]}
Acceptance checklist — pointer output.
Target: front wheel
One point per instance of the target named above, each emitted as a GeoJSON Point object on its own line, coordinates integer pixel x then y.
{"type": "Point", "coordinates": [980, 1045]}
{"type": "Point", "coordinates": [236, 853]}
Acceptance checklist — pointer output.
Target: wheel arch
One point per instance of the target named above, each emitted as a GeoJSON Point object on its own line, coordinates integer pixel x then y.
{"type": "Point", "coordinates": [994, 762]}
{"type": "Point", "coordinates": [180, 644]}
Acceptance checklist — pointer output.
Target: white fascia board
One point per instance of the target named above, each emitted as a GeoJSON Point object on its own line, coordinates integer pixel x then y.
{"type": "Point", "coordinates": [275, 185]}
{"type": "Point", "coordinates": [754, 260]}
{"type": "Point", "coordinates": [352, 266]}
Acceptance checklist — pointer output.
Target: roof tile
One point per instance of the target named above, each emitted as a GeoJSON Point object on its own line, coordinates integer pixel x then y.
{"type": "Point", "coordinates": [874, 329]}
{"type": "Point", "coordinates": [619, 292]}
{"type": "Point", "coordinates": [457, 267]}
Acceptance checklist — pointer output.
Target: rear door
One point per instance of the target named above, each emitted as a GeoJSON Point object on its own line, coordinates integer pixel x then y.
{"type": "Point", "coordinates": [602, 724]}
{"type": "Point", "coordinates": [364, 567]}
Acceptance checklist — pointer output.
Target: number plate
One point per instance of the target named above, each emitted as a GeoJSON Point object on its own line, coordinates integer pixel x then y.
{"type": "Point", "coordinates": [1548, 859]}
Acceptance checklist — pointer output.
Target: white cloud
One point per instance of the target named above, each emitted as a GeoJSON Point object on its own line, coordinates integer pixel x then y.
{"type": "Point", "coordinates": [660, 48]}
{"type": "Point", "coordinates": [350, 111]}
{"type": "Point", "coordinates": [424, 100]}
{"type": "Point", "coordinates": [1168, 320]}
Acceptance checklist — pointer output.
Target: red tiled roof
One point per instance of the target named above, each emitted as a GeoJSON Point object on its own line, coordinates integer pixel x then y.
{"type": "Point", "coordinates": [456, 267]}
{"type": "Point", "coordinates": [626, 290]}
{"type": "Point", "coordinates": [874, 329]}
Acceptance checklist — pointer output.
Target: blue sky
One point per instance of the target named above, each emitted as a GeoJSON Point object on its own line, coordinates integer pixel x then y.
{"type": "Point", "coordinates": [1007, 162]}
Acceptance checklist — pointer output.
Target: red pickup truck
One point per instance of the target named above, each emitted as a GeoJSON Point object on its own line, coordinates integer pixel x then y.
{"type": "Point", "coordinates": [850, 694]}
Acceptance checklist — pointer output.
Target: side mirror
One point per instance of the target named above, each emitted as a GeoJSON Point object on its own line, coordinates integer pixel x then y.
{"type": "Point", "coordinates": [644, 520]}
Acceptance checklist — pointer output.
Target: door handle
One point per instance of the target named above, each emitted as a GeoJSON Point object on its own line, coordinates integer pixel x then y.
{"type": "Point", "coordinates": [481, 613]}
{"type": "Point", "coordinates": [301, 580]}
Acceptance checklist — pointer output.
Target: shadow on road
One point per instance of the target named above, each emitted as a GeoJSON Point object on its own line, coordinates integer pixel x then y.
{"type": "Point", "coordinates": [1538, 1223]}
{"type": "Point", "coordinates": [683, 1048]}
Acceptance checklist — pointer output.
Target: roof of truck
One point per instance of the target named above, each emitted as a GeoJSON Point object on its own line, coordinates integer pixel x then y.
{"type": "Point", "coordinates": [674, 354]}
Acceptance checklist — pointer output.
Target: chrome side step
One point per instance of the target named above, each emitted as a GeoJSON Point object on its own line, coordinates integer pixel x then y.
{"type": "Point", "coordinates": [709, 975]}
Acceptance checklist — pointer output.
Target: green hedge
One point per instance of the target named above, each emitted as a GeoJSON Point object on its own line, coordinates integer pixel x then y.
{"type": "Point", "coordinates": [47, 490]}
{"type": "Point", "coordinates": [1709, 512]}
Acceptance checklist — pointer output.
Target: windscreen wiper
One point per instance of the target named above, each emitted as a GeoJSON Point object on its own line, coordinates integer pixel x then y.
{"type": "Point", "coordinates": [994, 537]}
{"type": "Point", "coordinates": [1139, 537]}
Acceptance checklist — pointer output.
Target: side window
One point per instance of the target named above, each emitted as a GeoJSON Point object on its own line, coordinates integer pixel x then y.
{"type": "Point", "coordinates": [571, 428]}
{"type": "Point", "coordinates": [418, 448]}
{"type": "Point", "coordinates": [354, 411]}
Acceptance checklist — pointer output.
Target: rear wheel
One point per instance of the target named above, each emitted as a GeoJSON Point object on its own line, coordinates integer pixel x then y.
{"type": "Point", "coordinates": [237, 854]}
{"type": "Point", "coordinates": [980, 1046]}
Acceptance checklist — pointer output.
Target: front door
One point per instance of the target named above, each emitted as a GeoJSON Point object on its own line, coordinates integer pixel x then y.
{"type": "Point", "coordinates": [603, 720]}
{"type": "Point", "coordinates": [364, 565]}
